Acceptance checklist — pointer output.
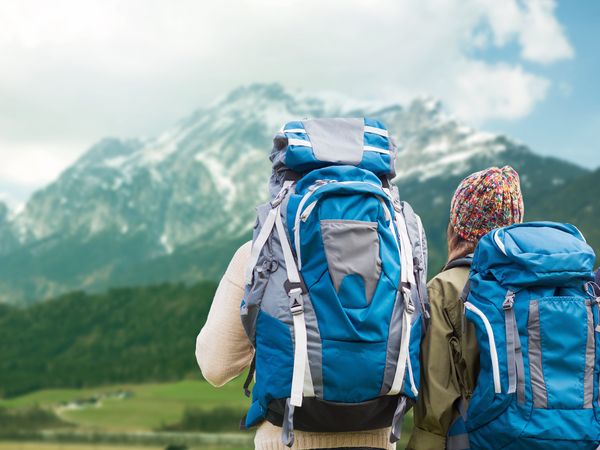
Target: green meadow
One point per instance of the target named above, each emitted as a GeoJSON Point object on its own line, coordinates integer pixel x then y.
{"type": "Point", "coordinates": [150, 407]}
{"type": "Point", "coordinates": [146, 406]}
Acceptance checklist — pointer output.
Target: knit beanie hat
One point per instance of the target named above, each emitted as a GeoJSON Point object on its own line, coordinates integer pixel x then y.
{"type": "Point", "coordinates": [485, 201]}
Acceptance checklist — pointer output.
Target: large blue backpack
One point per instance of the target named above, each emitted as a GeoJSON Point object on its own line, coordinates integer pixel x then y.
{"type": "Point", "coordinates": [531, 298]}
{"type": "Point", "coordinates": [336, 284]}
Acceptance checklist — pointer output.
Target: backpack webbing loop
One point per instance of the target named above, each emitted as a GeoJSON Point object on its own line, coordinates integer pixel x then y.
{"type": "Point", "coordinates": [287, 427]}
{"type": "Point", "coordinates": [397, 421]}
{"type": "Point", "coordinates": [250, 376]}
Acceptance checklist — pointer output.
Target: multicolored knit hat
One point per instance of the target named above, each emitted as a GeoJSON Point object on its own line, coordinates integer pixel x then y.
{"type": "Point", "coordinates": [485, 201]}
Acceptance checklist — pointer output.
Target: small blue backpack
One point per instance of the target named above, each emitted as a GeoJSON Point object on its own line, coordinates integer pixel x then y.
{"type": "Point", "coordinates": [531, 298]}
{"type": "Point", "coordinates": [336, 284]}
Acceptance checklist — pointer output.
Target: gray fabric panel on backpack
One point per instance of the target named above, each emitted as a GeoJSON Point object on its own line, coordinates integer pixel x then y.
{"type": "Point", "coordinates": [516, 370]}
{"type": "Point", "coordinates": [393, 154]}
{"type": "Point", "coordinates": [352, 248]}
{"type": "Point", "coordinates": [254, 293]}
{"type": "Point", "coordinates": [520, 369]}
{"type": "Point", "coordinates": [393, 349]}
{"type": "Point", "coordinates": [511, 350]}
{"type": "Point", "coordinates": [337, 140]}
{"type": "Point", "coordinates": [314, 347]}
{"type": "Point", "coordinates": [590, 352]}
{"type": "Point", "coordinates": [275, 300]}
{"type": "Point", "coordinates": [418, 240]}
{"type": "Point", "coordinates": [538, 383]}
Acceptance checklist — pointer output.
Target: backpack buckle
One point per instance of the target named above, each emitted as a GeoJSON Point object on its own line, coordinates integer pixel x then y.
{"type": "Point", "coordinates": [279, 198]}
{"type": "Point", "coordinates": [296, 301]}
{"type": "Point", "coordinates": [509, 301]}
{"type": "Point", "coordinates": [406, 293]}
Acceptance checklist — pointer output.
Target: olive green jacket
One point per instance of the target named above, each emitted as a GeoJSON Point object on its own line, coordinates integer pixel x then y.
{"type": "Point", "coordinates": [449, 362]}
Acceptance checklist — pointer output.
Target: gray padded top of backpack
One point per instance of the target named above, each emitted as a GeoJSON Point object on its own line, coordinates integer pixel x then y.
{"type": "Point", "coordinates": [339, 141]}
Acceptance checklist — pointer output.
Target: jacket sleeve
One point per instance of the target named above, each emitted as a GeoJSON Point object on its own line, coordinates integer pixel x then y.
{"type": "Point", "coordinates": [439, 385]}
{"type": "Point", "coordinates": [223, 350]}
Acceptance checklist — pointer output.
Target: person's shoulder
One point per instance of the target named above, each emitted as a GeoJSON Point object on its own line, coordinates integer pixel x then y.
{"type": "Point", "coordinates": [449, 283]}
{"type": "Point", "coordinates": [444, 293]}
{"type": "Point", "coordinates": [236, 271]}
{"type": "Point", "coordinates": [244, 251]}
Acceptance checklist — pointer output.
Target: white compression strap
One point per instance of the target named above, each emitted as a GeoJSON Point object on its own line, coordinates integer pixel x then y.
{"type": "Point", "coordinates": [288, 256]}
{"type": "Point", "coordinates": [411, 378]}
{"type": "Point", "coordinates": [297, 309]}
{"type": "Point", "coordinates": [406, 247]}
{"type": "Point", "coordinates": [403, 354]}
{"type": "Point", "coordinates": [300, 358]}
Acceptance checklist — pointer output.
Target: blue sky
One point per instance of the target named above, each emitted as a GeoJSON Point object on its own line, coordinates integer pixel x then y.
{"type": "Point", "coordinates": [567, 122]}
{"type": "Point", "coordinates": [75, 71]}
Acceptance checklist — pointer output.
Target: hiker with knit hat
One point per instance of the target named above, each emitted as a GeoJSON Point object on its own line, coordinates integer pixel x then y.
{"type": "Point", "coordinates": [484, 201]}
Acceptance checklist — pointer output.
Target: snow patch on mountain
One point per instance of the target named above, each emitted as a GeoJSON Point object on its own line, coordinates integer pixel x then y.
{"type": "Point", "coordinates": [200, 180]}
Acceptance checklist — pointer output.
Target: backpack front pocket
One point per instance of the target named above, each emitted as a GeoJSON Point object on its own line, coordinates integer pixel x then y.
{"type": "Point", "coordinates": [352, 253]}
{"type": "Point", "coordinates": [561, 352]}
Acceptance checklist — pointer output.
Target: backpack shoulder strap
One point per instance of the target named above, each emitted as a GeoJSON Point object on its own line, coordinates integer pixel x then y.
{"type": "Point", "coordinates": [467, 261]}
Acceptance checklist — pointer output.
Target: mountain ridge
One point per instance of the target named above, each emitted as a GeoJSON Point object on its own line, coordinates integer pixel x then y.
{"type": "Point", "coordinates": [173, 207]}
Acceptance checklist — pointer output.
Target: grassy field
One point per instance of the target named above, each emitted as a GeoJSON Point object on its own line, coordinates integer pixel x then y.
{"type": "Point", "coordinates": [147, 407]}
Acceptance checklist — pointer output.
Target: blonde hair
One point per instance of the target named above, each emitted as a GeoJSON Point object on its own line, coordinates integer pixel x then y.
{"type": "Point", "coordinates": [458, 247]}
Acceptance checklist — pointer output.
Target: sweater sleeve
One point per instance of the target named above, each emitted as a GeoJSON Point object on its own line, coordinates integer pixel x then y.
{"type": "Point", "coordinates": [223, 350]}
{"type": "Point", "coordinates": [439, 385]}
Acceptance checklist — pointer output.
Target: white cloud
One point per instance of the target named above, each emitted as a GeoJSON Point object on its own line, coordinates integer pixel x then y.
{"type": "Point", "coordinates": [32, 164]}
{"type": "Point", "coordinates": [508, 92]}
{"type": "Point", "coordinates": [534, 25]}
{"type": "Point", "coordinates": [76, 70]}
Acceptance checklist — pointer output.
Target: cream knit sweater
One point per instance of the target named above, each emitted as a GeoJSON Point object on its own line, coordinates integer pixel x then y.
{"type": "Point", "coordinates": [223, 352]}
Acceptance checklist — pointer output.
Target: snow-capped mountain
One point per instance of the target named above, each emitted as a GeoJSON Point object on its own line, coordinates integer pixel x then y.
{"type": "Point", "coordinates": [174, 206]}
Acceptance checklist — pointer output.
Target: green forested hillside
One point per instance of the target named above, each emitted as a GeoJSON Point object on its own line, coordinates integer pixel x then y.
{"type": "Point", "coordinates": [123, 335]}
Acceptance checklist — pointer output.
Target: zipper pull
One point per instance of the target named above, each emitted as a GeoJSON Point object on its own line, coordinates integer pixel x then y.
{"type": "Point", "coordinates": [426, 312]}
{"type": "Point", "coordinates": [317, 184]}
{"type": "Point", "coordinates": [509, 301]}
{"type": "Point", "coordinates": [307, 211]}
